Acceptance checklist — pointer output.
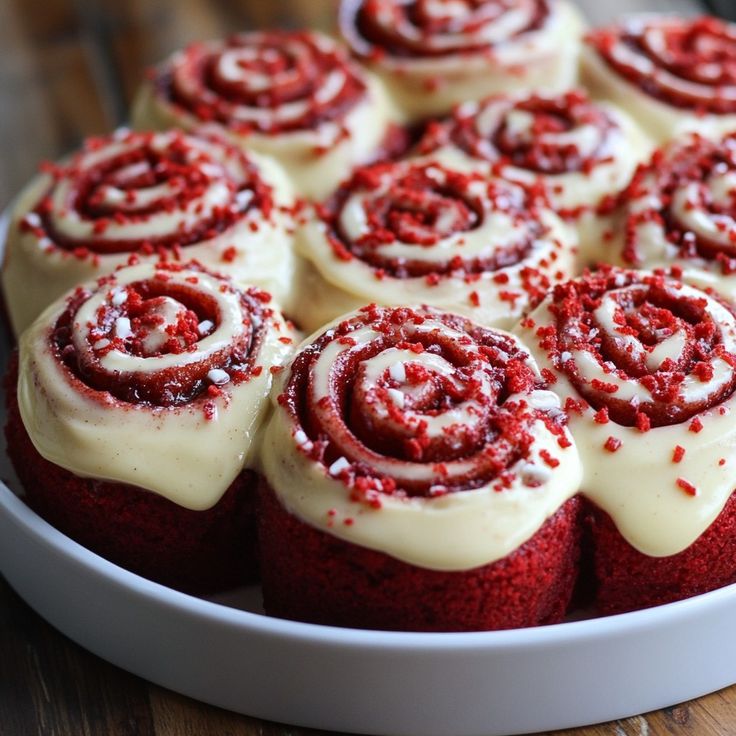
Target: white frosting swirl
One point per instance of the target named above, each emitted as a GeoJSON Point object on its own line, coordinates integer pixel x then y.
{"type": "Point", "coordinates": [681, 70]}
{"type": "Point", "coordinates": [662, 485]}
{"type": "Point", "coordinates": [147, 194]}
{"type": "Point", "coordinates": [432, 56]}
{"type": "Point", "coordinates": [581, 152]}
{"type": "Point", "coordinates": [468, 515]}
{"type": "Point", "coordinates": [291, 95]}
{"type": "Point", "coordinates": [680, 211]}
{"type": "Point", "coordinates": [189, 452]}
{"type": "Point", "coordinates": [423, 233]}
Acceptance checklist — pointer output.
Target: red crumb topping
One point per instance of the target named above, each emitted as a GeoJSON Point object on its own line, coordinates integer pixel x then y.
{"type": "Point", "coordinates": [651, 200]}
{"type": "Point", "coordinates": [612, 444]}
{"type": "Point", "coordinates": [107, 181]}
{"type": "Point", "coordinates": [376, 29]}
{"type": "Point", "coordinates": [692, 59]}
{"type": "Point", "coordinates": [424, 205]}
{"type": "Point", "coordinates": [297, 65]}
{"type": "Point", "coordinates": [645, 310]}
{"type": "Point", "coordinates": [545, 147]}
{"type": "Point", "coordinates": [156, 317]}
{"type": "Point", "coordinates": [688, 487]}
{"type": "Point", "coordinates": [490, 377]}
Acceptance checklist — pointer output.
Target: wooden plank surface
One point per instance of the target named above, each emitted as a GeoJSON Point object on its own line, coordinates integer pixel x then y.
{"type": "Point", "coordinates": [69, 68]}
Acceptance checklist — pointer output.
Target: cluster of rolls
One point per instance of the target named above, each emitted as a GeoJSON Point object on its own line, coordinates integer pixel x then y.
{"type": "Point", "coordinates": [514, 245]}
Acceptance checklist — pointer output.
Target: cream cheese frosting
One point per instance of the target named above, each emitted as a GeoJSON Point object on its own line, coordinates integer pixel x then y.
{"type": "Point", "coordinates": [525, 251]}
{"type": "Point", "coordinates": [456, 530]}
{"type": "Point", "coordinates": [315, 158]}
{"type": "Point", "coordinates": [662, 120]}
{"type": "Point", "coordinates": [581, 152]}
{"type": "Point", "coordinates": [189, 453]}
{"type": "Point", "coordinates": [501, 53]}
{"type": "Point", "coordinates": [678, 214]}
{"type": "Point", "coordinates": [659, 504]}
{"type": "Point", "coordinates": [54, 243]}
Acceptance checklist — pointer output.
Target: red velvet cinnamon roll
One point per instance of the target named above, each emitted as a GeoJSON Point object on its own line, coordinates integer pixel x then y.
{"type": "Point", "coordinates": [670, 73]}
{"type": "Point", "coordinates": [155, 195]}
{"type": "Point", "coordinates": [580, 151]}
{"type": "Point", "coordinates": [433, 55]}
{"type": "Point", "coordinates": [132, 419]}
{"type": "Point", "coordinates": [646, 368]}
{"type": "Point", "coordinates": [419, 477]}
{"type": "Point", "coordinates": [294, 95]}
{"type": "Point", "coordinates": [679, 211]}
{"type": "Point", "coordinates": [421, 232]}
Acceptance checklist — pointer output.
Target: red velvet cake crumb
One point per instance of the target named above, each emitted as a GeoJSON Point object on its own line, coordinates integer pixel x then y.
{"type": "Point", "coordinates": [629, 580]}
{"type": "Point", "coordinates": [193, 551]}
{"type": "Point", "coordinates": [310, 575]}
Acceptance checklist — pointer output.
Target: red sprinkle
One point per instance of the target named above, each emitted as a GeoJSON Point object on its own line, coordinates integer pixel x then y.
{"type": "Point", "coordinates": [553, 462]}
{"type": "Point", "coordinates": [612, 444]}
{"type": "Point", "coordinates": [678, 454]}
{"type": "Point", "coordinates": [688, 487]}
{"type": "Point", "coordinates": [696, 425]}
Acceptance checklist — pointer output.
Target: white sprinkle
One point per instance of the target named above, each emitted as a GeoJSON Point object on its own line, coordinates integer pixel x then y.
{"type": "Point", "coordinates": [100, 344]}
{"type": "Point", "coordinates": [205, 326]}
{"type": "Point", "coordinates": [33, 219]}
{"type": "Point", "coordinates": [211, 170]}
{"type": "Point", "coordinates": [531, 473]}
{"type": "Point", "coordinates": [122, 328]}
{"type": "Point", "coordinates": [119, 296]}
{"type": "Point", "coordinates": [565, 355]}
{"type": "Point", "coordinates": [397, 397]}
{"type": "Point", "coordinates": [398, 372]}
{"type": "Point", "coordinates": [243, 198]}
{"type": "Point", "coordinates": [218, 377]}
{"type": "Point", "coordinates": [545, 400]}
{"type": "Point", "coordinates": [300, 437]}
{"type": "Point", "coordinates": [338, 466]}
{"type": "Point", "coordinates": [121, 133]}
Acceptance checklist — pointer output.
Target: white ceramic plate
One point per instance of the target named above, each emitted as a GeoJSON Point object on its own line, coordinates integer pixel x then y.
{"type": "Point", "coordinates": [229, 654]}
{"type": "Point", "coordinates": [491, 683]}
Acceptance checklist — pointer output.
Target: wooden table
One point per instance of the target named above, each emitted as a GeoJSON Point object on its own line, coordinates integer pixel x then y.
{"type": "Point", "coordinates": [68, 68]}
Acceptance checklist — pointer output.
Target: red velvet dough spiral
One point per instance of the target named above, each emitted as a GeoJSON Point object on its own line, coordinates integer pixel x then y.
{"type": "Point", "coordinates": [132, 408]}
{"type": "Point", "coordinates": [646, 368]}
{"type": "Point", "coordinates": [418, 476]}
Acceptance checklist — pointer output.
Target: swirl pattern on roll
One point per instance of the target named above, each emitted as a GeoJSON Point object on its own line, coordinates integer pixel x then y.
{"type": "Point", "coordinates": [680, 210]}
{"type": "Point", "coordinates": [424, 233]}
{"type": "Point", "coordinates": [267, 82]}
{"type": "Point", "coordinates": [152, 195]}
{"type": "Point", "coordinates": [687, 63]}
{"type": "Point", "coordinates": [432, 55]}
{"type": "Point", "coordinates": [294, 95]}
{"type": "Point", "coordinates": [399, 408]}
{"type": "Point", "coordinates": [147, 193]}
{"type": "Point", "coordinates": [581, 150]}
{"type": "Point", "coordinates": [418, 28]}
{"type": "Point", "coordinates": [154, 361]}
{"type": "Point", "coordinates": [646, 368]}
{"type": "Point", "coordinates": [648, 350]}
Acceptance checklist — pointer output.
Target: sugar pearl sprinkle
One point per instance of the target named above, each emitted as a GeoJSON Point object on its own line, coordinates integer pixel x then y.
{"type": "Point", "coordinates": [204, 327]}
{"type": "Point", "coordinates": [218, 377]}
{"type": "Point", "coordinates": [122, 328]}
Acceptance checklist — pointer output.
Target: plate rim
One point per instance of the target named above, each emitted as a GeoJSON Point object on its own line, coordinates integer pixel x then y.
{"type": "Point", "coordinates": [44, 533]}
